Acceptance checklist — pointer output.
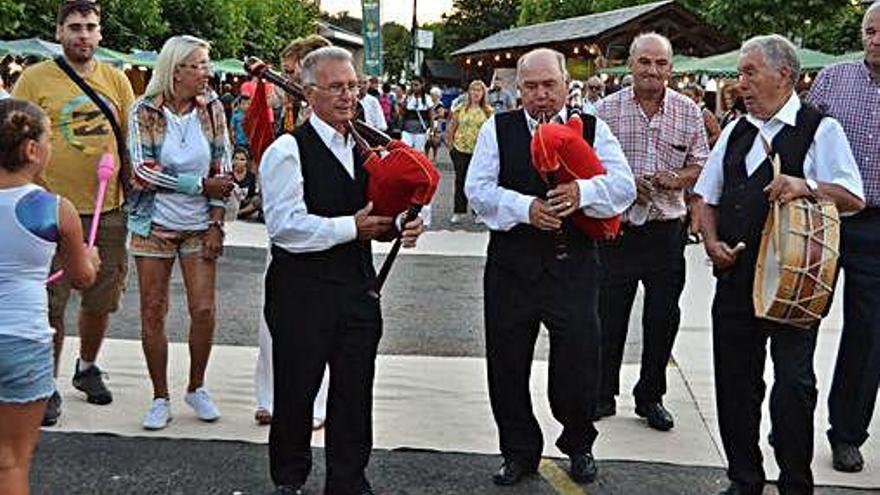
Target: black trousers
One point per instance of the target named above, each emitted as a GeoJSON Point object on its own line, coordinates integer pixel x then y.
{"type": "Point", "coordinates": [460, 162]}
{"type": "Point", "coordinates": [652, 254]}
{"type": "Point", "coordinates": [740, 351]}
{"type": "Point", "coordinates": [514, 309]}
{"type": "Point", "coordinates": [314, 324]}
{"type": "Point", "coordinates": [857, 373]}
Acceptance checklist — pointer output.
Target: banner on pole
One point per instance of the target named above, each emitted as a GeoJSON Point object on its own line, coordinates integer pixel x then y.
{"type": "Point", "coordinates": [372, 31]}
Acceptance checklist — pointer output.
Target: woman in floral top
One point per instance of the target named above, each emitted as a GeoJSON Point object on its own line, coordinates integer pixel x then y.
{"type": "Point", "coordinates": [467, 118]}
{"type": "Point", "coordinates": [180, 156]}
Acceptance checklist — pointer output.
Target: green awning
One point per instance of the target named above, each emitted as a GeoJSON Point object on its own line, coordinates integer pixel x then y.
{"type": "Point", "coordinates": [114, 57]}
{"type": "Point", "coordinates": [144, 58]}
{"type": "Point", "coordinates": [35, 47]}
{"type": "Point", "coordinates": [850, 57]}
{"type": "Point", "coordinates": [622, 70]}
{"type": "Point", "coordinates": [725, 64]}
{"type": "Point", "coordinates": [229, 66]}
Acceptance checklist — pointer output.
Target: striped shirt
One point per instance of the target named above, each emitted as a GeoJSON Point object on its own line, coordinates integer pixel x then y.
{"type": "Point", "coordinates": [848, 93]}
{"type": "Point", "coordinates": [674, 138]}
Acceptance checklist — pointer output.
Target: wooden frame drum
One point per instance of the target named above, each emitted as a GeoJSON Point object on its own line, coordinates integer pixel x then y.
{"type": "Point", "coordinates": [797, 263]}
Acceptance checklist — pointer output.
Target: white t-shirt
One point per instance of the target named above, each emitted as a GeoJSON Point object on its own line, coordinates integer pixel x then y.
{"type": "Point", "coordinates": [186, 151]}
{"type": "Point", "coordinates": [24, 267]}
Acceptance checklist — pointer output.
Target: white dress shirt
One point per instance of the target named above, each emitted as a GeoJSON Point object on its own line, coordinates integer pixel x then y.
{"type": "Point", "coordinates": [829, 159]}
{"type": "Point", "coordinates": [602, 196]}
{"type": "Point", "coordinates": [373, 114]}
{"type": "Point", "coordinates": [290, 225]}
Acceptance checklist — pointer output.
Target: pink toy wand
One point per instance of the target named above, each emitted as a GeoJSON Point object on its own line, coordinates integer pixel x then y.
{"type": "Point", "coordinates": [105, 173]}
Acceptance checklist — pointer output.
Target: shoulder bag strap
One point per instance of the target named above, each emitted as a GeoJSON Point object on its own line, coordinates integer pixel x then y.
{"type": "Point", "coordinates": [121, 149]}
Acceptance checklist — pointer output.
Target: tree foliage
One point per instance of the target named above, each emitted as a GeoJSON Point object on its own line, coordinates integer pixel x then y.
{"type": "Point", "coordinates": [130, 24]}
{"type": "Point", "coordinates": [397, 44]}
{"type": "Point", "coordinates": [221, 22]}
{"type": "Point", "coordinates": [473, 20]}
{"type": "Point", "coordinates": [826, 25]}
{"type": "Point", "coordinates": [234, 27]}
{"type": "Point", "coordinates": [29, 19]}
{"type": "Point", "coordinates": [272, 24]}
{"type": "Point", "coordinates": [536, 11]}
{"type": "Point", "coordinates": [814, 23]}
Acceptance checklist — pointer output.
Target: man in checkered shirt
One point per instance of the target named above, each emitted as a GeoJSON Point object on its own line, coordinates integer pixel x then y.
{"type": "Point", "coordinates": [850, 92]}
{"type": "Point", "coordinates": [664, 140]}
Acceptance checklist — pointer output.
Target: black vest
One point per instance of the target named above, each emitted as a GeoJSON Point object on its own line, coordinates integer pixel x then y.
{"type": "Point", "coordinates": [743, 208]}
{"type": "Point", "coordinates": [330, 192]}
{"type": "Point", "coordinates": [525, 249]}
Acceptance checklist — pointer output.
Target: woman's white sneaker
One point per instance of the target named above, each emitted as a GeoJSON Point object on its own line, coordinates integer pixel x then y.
{"type": "Point", "coordinates": [159, 415]}
{"type": "Point", "coordinates": [201, 402]}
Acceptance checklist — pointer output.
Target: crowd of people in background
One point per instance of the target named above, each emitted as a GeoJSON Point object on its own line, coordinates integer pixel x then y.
{"type": "Point", "coordinates": [432, 117]}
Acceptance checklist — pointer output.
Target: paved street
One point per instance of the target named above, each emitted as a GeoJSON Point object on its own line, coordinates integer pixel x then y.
{"type": "Point", "coordinates": [434, 433]}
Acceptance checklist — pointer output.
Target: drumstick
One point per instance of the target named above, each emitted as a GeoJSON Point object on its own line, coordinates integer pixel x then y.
{"type": "Point", "coordinates": [105, 172]}
{"type": "Point", "coordinates": [777, 227]}
{"type": "Point", "coordinates": [740, 247]}
{"type": "Point", "coordinates": [411, 214]}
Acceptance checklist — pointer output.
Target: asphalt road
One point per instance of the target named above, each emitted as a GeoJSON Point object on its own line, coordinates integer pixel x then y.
{"type": "Point", "coordinates": [432, 307]}
{"type": "Point", "coordinates": [73, 464]}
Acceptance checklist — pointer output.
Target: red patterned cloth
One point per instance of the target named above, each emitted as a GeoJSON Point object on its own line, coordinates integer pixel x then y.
{"type": "Point", "coordinates": [561, 148]}
{"type": "Point", "coordinates": [257, 124]}
{"type": "Point", "coordinates": [400, 179]}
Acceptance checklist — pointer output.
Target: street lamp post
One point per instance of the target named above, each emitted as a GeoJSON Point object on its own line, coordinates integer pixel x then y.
{"type": "Point", "coordinates": [415, 32]}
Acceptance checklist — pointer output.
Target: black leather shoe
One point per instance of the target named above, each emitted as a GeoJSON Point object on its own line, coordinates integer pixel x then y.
{"type": "Point", "coordinates": [511, 473]}
{"type": "Point", "coordinates": [604, 409]}
{"type": "Point", "coordinates": [288, 490]}
{"type": "Point", "coordinates": [583, 468]}
{"type": "Point", "coordinates": [657, 415]}
{"type": "Point", "coordinates": [847, 458]}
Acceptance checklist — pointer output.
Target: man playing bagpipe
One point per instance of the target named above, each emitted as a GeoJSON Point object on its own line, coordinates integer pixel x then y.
{"type": "Point", "coordinates": [322, 304]}
{"type": "Point", "coordinates": [541, 269]}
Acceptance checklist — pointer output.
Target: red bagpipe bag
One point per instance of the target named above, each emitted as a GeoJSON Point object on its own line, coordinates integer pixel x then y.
{"type": "Point", "coordinates": [561, 149]}
{"type": "Point", "coordinates": [400, 178]}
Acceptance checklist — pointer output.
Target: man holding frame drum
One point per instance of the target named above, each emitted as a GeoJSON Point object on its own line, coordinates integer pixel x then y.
{"type": "Point", "coordinates": [737, 187]}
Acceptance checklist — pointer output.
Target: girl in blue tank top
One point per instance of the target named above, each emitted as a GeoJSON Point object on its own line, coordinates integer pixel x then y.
{"type": "Point", "coordinates": [33, 224]}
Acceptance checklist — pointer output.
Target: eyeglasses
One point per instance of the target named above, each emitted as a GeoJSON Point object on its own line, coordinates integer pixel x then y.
{"type": "Point", "coordinates": [339, 89]}
{"type": "Point", "coordinates": [594, 87]}
{"type": "Point", "coordinates": [199, 67]}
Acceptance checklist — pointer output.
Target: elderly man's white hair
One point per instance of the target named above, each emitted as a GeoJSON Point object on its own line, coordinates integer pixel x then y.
{"type": "Point", "coordinates": [650, 36]}
{"type": "Point", "coordinates": [524, 60]}
{"type": "Point", "coordinates": [874, 8]}
{"type": "Point", "coordinates": [310, 63]}
{"type": "Point", "coordinates": [779, 53]}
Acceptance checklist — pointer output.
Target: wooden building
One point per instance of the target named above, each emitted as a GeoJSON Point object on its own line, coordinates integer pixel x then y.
{"type": "Point", "coordinates": [595, 41]}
